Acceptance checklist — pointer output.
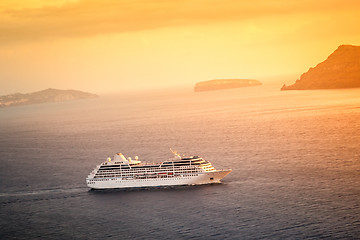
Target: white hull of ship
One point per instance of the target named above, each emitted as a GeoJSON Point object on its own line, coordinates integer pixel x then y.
{"type": "Point", "coordinates": [201, 178]}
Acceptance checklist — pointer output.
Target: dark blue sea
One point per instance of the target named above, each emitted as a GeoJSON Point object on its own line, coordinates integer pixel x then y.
{"type": "Point", "coordinates": [295, 158]}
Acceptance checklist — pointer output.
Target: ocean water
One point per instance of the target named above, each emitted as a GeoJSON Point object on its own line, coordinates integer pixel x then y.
{"type": "Point", "coordinates": [295, 158]}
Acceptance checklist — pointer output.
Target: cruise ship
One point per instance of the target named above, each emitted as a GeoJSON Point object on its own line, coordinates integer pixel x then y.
{"type": "Point", "coordinates": [120, 172]}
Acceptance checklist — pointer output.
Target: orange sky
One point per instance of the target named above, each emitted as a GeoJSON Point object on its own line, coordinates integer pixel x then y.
{"type": "Point", "coordinates": [114, 45]}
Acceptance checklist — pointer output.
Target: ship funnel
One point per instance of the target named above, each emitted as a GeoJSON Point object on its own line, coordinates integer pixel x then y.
{"type": "Point", "coordinates": [120, 157]}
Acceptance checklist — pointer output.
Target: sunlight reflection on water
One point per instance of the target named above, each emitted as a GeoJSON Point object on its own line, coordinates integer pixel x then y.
{"type": "Point", "coordinates": [294, 155]}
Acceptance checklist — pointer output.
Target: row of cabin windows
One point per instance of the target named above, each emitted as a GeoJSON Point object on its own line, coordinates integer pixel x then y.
{"type": "Point", "coordinates": [143, 180]}
{"type": "Point", "coordinates": [102, 173]}
{"type": "Point", "coordinates": [150, 170]}
{"type": "Point", "coordinates": [145, 169]}
{"type": "Point", "coordinates": [143, 176]}
{"type": "Point", "coordinates": [167, 164]}
{"type": "Point", "coordinates": [184, 160]}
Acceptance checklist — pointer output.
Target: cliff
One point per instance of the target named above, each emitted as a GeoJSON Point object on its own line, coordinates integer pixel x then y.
{"type": "Point", "coordinates": [225, 84]}
{"type": "Point", "coordinates": [340, 70]}
{"type": "Point", "coordinates": [48, 95]}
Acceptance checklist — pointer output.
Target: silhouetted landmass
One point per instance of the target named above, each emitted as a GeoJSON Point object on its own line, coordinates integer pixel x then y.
{"type": "Point", "coordinates": [220, 84]}
{"type": "Point", "coordinates": [340, 70]}
{"type": "Point", "coordinates": [48, 95]}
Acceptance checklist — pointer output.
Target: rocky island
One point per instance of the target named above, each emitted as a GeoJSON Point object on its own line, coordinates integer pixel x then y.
{"type": "Point", "coordinates": [340, 70]}
{"type": "Point", "coordinates": [48, 95]}
{"type": "Point", "coordinates": [220, 84]}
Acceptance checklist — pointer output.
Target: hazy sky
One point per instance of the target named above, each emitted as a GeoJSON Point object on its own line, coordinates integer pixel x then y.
{"type": "Point", "coordinates": [115, 45]}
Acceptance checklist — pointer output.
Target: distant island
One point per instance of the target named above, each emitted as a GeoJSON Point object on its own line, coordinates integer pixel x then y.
{"type": "Point", "coordinates": [48, 95]}
{"type": "Point", "coordinates": [340, 70]}
{"type": "Point", "coordinates": [220, 84]}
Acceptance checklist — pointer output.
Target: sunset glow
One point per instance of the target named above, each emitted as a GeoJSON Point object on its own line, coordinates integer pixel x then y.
{"type": "Point", "coordinates": [109, 46]}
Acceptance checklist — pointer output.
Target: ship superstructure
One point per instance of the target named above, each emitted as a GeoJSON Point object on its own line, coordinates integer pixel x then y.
{"type": "Point", "coordinates": [127, 173]}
